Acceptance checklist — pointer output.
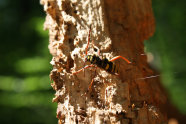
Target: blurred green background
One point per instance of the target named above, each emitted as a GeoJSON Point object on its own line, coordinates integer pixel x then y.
{"type": "Point", "coordinates": [25, 91]}
{"type": "Point", "coordinates": [168, 47]}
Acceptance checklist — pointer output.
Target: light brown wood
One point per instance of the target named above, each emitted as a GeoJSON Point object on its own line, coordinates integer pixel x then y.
{"type": "Point", "coordinates": [119, 28]}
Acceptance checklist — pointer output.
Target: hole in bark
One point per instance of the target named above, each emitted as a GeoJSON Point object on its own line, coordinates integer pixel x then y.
{"type": "Point", "coordinates": [48, 4]}
{"type": "Point", "coordinates": [76, 120]}
{"type": "Point", "coordinates": [55, 76]}
{"type": "Point", "coordinates": [61, 60]}
{"type": "Point", "coordinates": [56, 37]}
{"type": "Point", "coordinates": [71, 32]}
{"type": "Point", "coordinates": [70, 63]}
{"type": "Point", "coordinates": [95, 49]}
{"type": "Point", "coordinates": [71, 43]}
{"type": "Point", "coordinates": [75, 11]}
{"type": "Point", "coordinates": [73, 4]}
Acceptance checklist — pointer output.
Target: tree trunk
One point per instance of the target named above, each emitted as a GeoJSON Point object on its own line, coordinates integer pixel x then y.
{"type": "Point", "coordinates": [118, 28]}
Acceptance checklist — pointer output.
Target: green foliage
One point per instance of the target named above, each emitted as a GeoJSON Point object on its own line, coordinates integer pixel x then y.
{"type": "Point", "coordinates": [168, 47]}
{"type": "Point", "coordinates": [32, 65]}
{"type": "Point", "coordinates": [25, 91]}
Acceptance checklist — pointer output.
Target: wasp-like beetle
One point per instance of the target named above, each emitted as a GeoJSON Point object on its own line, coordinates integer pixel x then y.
{"type": "Point", "coordinates": [104, 63]}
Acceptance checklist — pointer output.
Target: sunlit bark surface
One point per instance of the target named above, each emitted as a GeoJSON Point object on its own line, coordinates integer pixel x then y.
{"type": "Point", "coordinates": [119, 28]}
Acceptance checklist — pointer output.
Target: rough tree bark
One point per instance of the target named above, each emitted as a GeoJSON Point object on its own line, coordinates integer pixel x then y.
{"type": "Point", "coordinates": [119, 27]}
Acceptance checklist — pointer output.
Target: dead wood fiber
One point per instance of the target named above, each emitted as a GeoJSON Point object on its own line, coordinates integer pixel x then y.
{"type": "Point", "coordinates": [119, 27]}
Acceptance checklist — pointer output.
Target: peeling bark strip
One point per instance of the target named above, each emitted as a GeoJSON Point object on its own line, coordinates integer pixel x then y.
{"type": "Point", "coordinates": [119, 27]}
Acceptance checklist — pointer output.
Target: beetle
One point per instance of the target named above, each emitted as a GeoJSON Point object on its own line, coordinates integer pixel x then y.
{"type": "Point", "coordinates": [104, 63]}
